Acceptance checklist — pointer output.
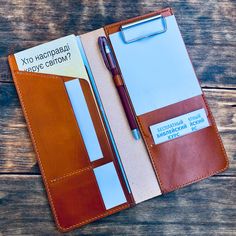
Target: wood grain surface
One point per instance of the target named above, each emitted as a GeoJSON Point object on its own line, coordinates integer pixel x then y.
{"type": "Point", "coordinates": [204, 208]}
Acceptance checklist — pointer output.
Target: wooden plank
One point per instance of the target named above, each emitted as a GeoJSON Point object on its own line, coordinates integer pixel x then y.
{"type": "Point", "coordinates": [207, 27]}
{"type": "Point", "coordinates": [213, 65]}
{"type": "Point", "coordinates": [223, 105]}
{"type": "Point", "coordinates": [204, 208]}
{"type": "Point", "coordinates": [16, 149]}
{"type": "Point", "coordinates": [203, 20]}
{"type": "Point", "coordinates": [213, 69]}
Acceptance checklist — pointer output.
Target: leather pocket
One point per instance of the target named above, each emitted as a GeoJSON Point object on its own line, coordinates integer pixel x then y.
{"type": "Point", "coordinates": [56, 136]}
{"type": "Point", "coordinates": [68, 174]}
{"type": "Point", "coordinates": [186, 159]}
{"type": "Point", "coordinates": [53, 126]}
{"type": "Point", "coordinates": [99, 127]}
{"type": "Point", "coordinates": [76, 199]}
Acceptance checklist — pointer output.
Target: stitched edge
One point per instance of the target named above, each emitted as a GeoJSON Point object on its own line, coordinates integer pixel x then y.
{"type": "Point", "coordinates": [71, 174]}
{"type": "Point", "coordinates": [36, 149]}
{"type": "Point", "coordinates": [27, 74]}
{"type": "Point", "coordinates": [197, 178]}
{"type": "Point", "coordinates": [150, 153]}
{"type": "Point", "coordinates": [108, 212]}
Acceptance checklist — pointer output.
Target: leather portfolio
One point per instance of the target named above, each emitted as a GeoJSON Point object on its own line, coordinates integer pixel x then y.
{"type": "Point", "coordinates": [179, 144]}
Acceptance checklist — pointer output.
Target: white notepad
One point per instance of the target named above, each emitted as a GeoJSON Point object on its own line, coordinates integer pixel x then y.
{"type": "Point", "coordinates": [157, 70]}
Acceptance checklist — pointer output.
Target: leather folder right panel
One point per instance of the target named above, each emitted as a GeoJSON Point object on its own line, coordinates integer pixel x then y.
{"type": "Point", "coordinates": [186, 159]}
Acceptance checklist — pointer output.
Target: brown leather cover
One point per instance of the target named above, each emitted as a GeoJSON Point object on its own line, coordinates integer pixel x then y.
{"type": "Point", "coordinates": [187, 159]}
{"type": "Point", "coordinates": [67, 172]}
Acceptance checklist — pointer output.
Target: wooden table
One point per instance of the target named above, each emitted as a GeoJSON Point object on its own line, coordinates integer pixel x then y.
{"type": "Point", "coordinates": [204, 208]}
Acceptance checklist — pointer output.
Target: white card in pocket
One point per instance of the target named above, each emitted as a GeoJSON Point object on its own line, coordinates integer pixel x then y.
{"type": "Point", "coordinates": [179, 126]}
{"type": "Point", "coordinates": [109, 185]}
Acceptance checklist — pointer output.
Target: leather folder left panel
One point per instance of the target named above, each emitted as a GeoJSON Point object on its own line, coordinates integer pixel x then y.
{"type": "Point", "coordinates": [68, 174]}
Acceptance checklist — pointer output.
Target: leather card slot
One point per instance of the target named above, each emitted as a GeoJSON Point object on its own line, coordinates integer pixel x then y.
{"type": "Point", "coordinates": [170, 112]}
{"type": "Point", "coordinates": [77, 199]}
{"type": "Point", "coordinates": [185, 159]}
{"type": "Point", "coordinates": [175, 110]}
{"type": "Point", "coordinates": [52, 121]}
{"type": "Point", "coordinates": [53, 128]}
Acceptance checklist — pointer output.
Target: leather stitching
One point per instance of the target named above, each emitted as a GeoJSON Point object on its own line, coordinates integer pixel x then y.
{"type": "Point", "coordinates": [108, 212]}
{"type": "Point", "coordinates": [42, 169]}
{"type": "Point", "coordinates": [71, 174]}
{"type": "Point", "coordinates": [199, 177]}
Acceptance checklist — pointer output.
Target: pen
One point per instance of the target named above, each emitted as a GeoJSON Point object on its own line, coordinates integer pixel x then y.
{"type": "Point", "coordinates": [111, 66]}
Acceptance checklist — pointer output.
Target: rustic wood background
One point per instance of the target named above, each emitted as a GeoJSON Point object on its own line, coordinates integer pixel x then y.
{"type": "Point", "coordinates": [204, 208]}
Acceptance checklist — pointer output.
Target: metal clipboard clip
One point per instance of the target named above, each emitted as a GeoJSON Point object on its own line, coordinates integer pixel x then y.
{"type": "Point", "coordinates": [141, 32]}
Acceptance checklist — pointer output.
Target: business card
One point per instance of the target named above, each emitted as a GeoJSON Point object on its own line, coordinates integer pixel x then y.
{"type": "Point", "coordinates": [59, 57]}
{"type": "Point", "coordinates": [179, 126]}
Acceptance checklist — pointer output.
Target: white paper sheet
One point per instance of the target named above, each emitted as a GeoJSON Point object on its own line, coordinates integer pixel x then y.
{"type": "Point", "coordinates": [157, 70]}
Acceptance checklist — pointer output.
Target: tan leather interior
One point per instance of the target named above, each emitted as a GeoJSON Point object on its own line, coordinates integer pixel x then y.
{"type": "Point", "coordinates": [133, 154]}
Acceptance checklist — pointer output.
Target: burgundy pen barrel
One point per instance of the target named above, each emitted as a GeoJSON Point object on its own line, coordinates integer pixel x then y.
{"type": "Point", "coordinates": [111, 66]}
{"type": "Point", "coordinates": [125, 102]}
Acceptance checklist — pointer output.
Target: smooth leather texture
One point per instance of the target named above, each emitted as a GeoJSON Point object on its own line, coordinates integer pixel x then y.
{"type": "Point", "coordinates": [68, 174]}
{"type": "Point", "coordinates": [186, 159]}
